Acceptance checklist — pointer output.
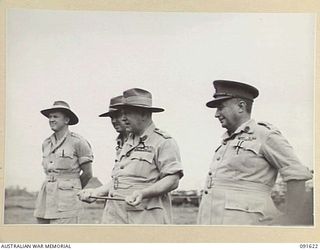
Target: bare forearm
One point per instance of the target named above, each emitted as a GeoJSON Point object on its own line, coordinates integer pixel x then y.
{"type": "Point", "coordinates": [102, 190]}
{"type": "Point", "coordinates": [163, 186]}
{"type": "Point", "coordinates": [295, 200]}
{"type": "Point", "coordinates": [86, 174]}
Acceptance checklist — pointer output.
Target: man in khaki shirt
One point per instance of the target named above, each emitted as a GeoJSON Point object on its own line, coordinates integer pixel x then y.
{"type": "Point", "coordinates": [146, 170]}
{"type": "Point", "coordinates": [245, 166]}
{"type": "Point", "coordinates": [116, 120]}
{"type": "Point", "coordinates": [67, 163]}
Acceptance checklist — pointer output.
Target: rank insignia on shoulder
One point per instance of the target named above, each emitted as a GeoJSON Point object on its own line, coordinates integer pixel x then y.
{"type": "Point", "coordinates": [73, 134]}
{"type": "Point", "coordinates": [162, 133]}
{"type": "Point", "coordinates": [266, 124]}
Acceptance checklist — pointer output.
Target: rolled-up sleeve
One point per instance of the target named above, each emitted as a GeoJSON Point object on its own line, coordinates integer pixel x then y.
{"type": "Point", "coordinates": [84, 152]}
{"type": "Point", "coordinates": [280, 154]}
{"type": "Point", "coordinates": [169, 160]}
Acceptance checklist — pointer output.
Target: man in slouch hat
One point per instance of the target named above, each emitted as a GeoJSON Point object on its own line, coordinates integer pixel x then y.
{"type": "Point", "coordinates": [67, 163]}
{"type": "Point", "coordinates": [146, 170]}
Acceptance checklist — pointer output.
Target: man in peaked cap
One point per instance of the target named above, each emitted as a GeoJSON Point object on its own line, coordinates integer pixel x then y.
{"type": "Point", "coordinates": [67, 163]}
{"type": "Point", "coordinates": [147, 169]}
{"type": "Point", "coordinates": [245, 166]}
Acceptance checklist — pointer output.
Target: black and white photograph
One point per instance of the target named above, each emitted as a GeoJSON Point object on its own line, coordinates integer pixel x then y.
{"type": "Point", "coordinates": [159, 118]}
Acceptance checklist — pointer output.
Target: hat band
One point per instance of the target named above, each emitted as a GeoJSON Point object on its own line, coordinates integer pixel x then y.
{"type": "Point", "coordinates": [138, 100]}
{"type": "Point", "coordinates": [231, 96]}
{"type": "Point", "coordinates": [223, 94]}
{"type": "Point", "coordinates": [59, 107]}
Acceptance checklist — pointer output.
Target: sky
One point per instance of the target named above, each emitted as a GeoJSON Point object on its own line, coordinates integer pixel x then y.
{"type": "Point", "coordinates": [87, 57]}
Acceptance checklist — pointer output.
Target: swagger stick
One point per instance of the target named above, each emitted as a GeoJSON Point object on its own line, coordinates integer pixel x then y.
{"type": "Point", "coordinates": [107, 198]}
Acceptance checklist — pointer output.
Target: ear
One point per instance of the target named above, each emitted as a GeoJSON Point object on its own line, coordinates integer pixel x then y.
{"type": "Point", "coordinates": [242, 106]}
{"type": "Point", "coordinates": [66, 120]}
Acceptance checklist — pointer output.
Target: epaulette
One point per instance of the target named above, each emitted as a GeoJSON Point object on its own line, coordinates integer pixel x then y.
{"type": "Point", "coordinates": [267, 125]}
{"type": "Point", "coordinates": [73, 134]}
{"type": "Point", "coordinates": [47, 140]}
{"type": "Point", "coordinates": [162, 133]}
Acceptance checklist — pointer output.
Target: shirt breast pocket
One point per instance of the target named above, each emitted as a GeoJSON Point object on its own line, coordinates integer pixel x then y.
{"type": "Point", "coordinates": [65, 158]}
{"type": "Point", "coordinates": [246, 147]}
{"type": "Point", "coordinates": [142, 164]}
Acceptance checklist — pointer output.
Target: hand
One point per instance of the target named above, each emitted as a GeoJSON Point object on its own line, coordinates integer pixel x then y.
{"type": "Point", "coordinates": [280, 219]}
{"type": "Point", "coordinates": [85, 194]}
{"type": "Point", "coordinates": [135, 198]}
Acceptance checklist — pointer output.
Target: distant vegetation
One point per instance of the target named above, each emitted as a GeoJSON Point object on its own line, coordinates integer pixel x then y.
{"type": "Point", "coordinates": [18, 191]}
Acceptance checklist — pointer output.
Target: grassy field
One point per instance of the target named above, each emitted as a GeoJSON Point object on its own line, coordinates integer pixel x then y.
{"type": "Point", "coordinates": [19, 210]}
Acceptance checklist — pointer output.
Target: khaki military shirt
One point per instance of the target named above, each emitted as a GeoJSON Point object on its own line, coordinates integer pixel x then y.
{"type": "Point", "coordinates": [62, 162]}
{"type": "Point", "coordinates": [243, 171]}
{"type": "Point", "coordinates": [142, 162]}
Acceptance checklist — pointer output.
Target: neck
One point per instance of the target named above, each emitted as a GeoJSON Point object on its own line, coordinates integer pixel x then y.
{"type": "Point", "coordinates": [123, 135]}
{"type": "Point", "coordinates": [144, 126]}
{"type": "Point", "coordinates": [59, 134]}
{"type": "Point", "coordinates": [241, 121]}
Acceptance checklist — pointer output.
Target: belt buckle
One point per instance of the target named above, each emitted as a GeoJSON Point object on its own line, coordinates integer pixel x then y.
{"type": "Point", "coordinates": [115, 183]}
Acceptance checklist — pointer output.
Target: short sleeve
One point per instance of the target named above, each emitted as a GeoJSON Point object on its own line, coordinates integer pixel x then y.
{"type": "Point", "coordinates": [83, 151]}
{"type": "Point", "coordinates": [280, 154]}
{"type": "Point", "coordinates": [168, 159]}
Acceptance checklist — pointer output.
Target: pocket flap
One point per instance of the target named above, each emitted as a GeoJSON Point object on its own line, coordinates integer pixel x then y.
{"type": "Point", "coordinates": [251, 146]}
{"type": "Point", "coordinates": [68, 185]}
{"type": "Point", "coordinates": [153, 203]}
{"type": "Point", "coordinates": [143, 156]}
{"type": "Point", "coordinates": [246, 203]}
{"type": "Point", "coordinates": [65, 153]}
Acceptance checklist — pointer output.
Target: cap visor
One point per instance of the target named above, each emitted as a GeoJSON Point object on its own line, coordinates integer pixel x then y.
{"type": "Point", "coordinates": [214, 103]}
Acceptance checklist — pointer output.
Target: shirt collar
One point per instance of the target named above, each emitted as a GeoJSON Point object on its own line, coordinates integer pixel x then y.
{"type": "Point", "coordinates": [53, 138]}
{"type": "Point", "coordinates": [246, 127]}
{"type": "Point", "coordinates": [120, 140]}
{"type": "Point", "coordinates": [55, 144]}
{"type": "Point", "coordinates": [134, 140]}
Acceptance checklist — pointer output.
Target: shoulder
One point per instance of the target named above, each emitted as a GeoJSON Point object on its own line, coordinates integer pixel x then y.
{"type": "Point", "coordinates": [266, 129]}
{"type": "Point", "coordinates": [266, 125]}
{"type": "Point", "coordinates": [162, 133]}
{"type": "Point", "coordinates": [46, 141]}
{"type": "Point", "coordinates": [78, 138]}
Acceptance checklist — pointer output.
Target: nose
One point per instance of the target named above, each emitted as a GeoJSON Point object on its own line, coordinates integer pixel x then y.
{"type": "Point", "coordinates": [123, 118]}
{"type": "Point", "coordinates": [217, 114]}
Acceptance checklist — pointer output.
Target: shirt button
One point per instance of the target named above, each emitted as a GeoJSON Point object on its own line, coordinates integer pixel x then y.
{"type": "Point", "coordinates": [122, 167]}
{"type": "Point", "coordinates": [127, 154]}
{"type": "Point", "coordinates": [51, 162]}
{"type": "Point", "coordinates": [218, 159]}
{"type": "Point", "coordinates": [206, 192]}
{"type": "Point", "coordinates": [210, 173]}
